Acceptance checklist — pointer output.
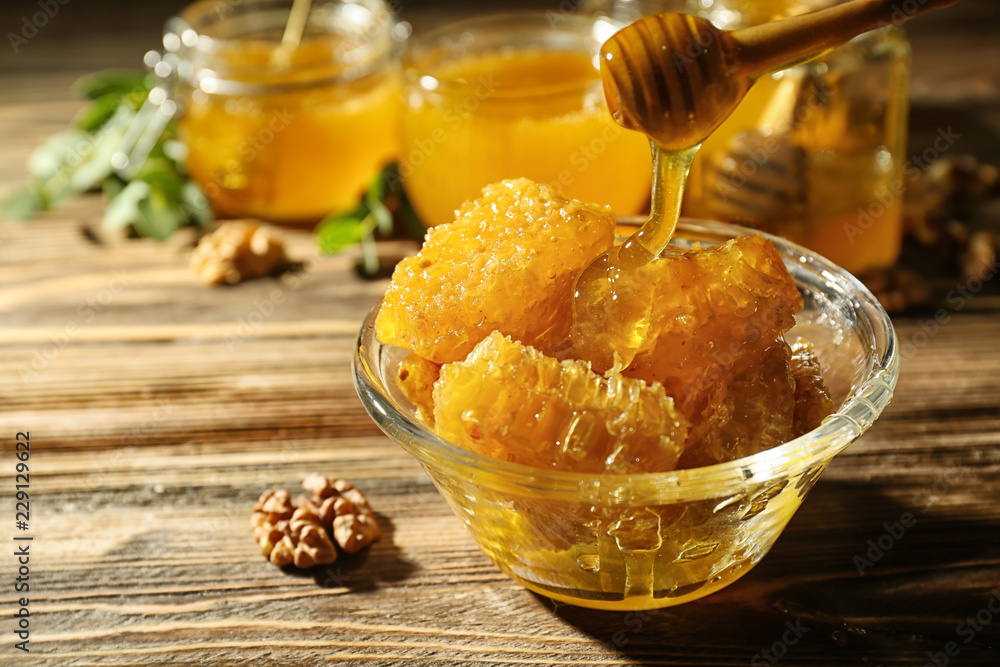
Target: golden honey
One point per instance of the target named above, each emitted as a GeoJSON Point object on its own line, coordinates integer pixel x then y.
{"type": "Point", "coordinates": [520, 97]}
{"type": "Point", "coordinates": [815, 153]}
{"type": "Point", "coordinates": [287, 137]}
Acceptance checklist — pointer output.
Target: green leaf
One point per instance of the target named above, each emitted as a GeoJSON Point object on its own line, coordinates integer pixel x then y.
{"type": "Point", "coordinates": [23, 203]}
{"type": "Point", "coordinates": [123, 209]}
{"type": "Point", "coordinates": [97, 166]}
{"type": "Point", "coordinates": [97, 113]}
{"type": "Point", "coordinates": [195, 204]}
{"type": "Point", "coordinates": [158, 218]}
{"type": "Point", "coordinates": [335, 234]}
{"type": "Point", "coordinates": [376, 190]}
{"type": "Point", "coordinates": [118, 81]}
{"type": "Point", "coordinates": [383, 217]}
{"type": "Point", "coordinates": [66, 148]}
{"type": "Point", "coordinates": [112, 186]}
{"type": "Point", "coordinates": [161, 173]}
{"type": "Point", "coordinates": [175, 150]}
{"type": "Point", "coordinates": [155, 202]}
{"type": "Point", "coordinates": [369, 255]}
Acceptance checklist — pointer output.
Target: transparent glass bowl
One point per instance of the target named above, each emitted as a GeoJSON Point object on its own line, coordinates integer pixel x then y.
{"type": "Point", "coordinates": [659, 539]}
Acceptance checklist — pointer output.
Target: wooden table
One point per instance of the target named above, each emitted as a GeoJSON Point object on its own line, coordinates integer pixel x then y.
{"type": "Point", "coordinates": [159, 409]}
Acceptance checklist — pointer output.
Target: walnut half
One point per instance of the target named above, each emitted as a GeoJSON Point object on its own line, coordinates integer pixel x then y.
{"type": "Point", "coordinates": [238, 250]}
{"type": "Point", "coordinates": [345, 512]}
{"type": "Point", "coordinates": [306, 531]}
{"type": "Point", "coordinates": [306, 542]}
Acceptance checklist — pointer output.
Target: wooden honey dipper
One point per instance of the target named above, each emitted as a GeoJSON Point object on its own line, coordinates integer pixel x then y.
{"type": "Point", "coordinates": [759, 178]}
{"type": "Point", "coordinates": [677, 77]}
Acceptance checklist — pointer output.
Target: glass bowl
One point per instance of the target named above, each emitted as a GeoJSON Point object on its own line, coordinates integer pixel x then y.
{"type": "Point", "coordinates": [659, 539]}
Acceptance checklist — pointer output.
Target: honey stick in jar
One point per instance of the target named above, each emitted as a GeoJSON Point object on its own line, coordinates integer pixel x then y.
{"type": "Point", "coordinates": [676, 78]}
{"type": "Point", "coordinates": [285, 130]}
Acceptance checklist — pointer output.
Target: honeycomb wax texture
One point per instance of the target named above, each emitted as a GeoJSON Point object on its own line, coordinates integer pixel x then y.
{"type": "Point", "coordinates": [507, 263]}
{"type": "Point", "coordinates": [511, 402]}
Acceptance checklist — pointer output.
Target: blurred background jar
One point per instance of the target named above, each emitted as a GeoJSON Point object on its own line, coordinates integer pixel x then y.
{"type": "Point", "coordinates": [512, 95]}
{"type": "Point", "coordinates": [815, 153]}
{"type": "Point", "coordinates": [286, 135]}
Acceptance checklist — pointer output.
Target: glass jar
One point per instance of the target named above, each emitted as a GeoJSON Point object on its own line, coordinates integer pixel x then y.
{"type": "Point", "coordinates": [815, 153]}
{"type": "Point", "coordinates": [280, 134]}
{"type": "Point", "coordinates": [512, 95]}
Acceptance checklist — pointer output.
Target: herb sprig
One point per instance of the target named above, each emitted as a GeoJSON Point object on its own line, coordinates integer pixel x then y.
{"type": "Point", "coordinates": [384, 210]}
{"type": "Point", "coordinates": [159, 198]}
{"type": "Point", "coordinates": [156, 201]}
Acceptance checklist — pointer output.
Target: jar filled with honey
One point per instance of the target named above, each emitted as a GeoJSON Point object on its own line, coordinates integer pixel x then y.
{"type": "Point", "coordinates": [815, 153]}
{"type": "Point", "coordinates": [285, 134]}
{"type": "Point", "coordinates": [509, 96]}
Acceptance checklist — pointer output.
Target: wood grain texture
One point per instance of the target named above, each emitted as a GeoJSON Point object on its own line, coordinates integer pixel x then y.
{"type": "Point", "coordinates": [159, 409]}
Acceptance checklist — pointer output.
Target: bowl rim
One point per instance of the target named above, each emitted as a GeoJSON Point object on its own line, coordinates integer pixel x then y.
{"type": "Point", "coordinates": [857, 413]}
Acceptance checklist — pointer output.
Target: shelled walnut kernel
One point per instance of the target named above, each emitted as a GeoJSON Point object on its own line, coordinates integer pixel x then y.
{"type": "Point", "coordinates": [345, 510]}
{"type": "Point", "coordinates": [307, 530]}
{"type": "Point", "coordinates": [238, 250]}
{"type": "Point", "coordinates": [306, 542]}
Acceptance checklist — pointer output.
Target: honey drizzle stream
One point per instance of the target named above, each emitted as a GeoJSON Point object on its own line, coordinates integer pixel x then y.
{"type": "Point", "coordinates": [670, 172]}
{"type": "Point", "coordinates": [596, 337]}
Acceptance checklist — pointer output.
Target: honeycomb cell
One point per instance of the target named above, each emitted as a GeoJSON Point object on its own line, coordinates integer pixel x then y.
{"type": "Point", "coordinates": [513, 403]}
{"type": "Point", "coordinates": [507, 263]}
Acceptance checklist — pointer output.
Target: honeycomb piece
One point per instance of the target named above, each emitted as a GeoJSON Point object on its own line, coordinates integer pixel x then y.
{"type": "Point", "coordinates": [710, 308]}
{"type": "Point", "coordinates": [765, 400]}
{"type": "Point", "coordinates": [416, 377]}
{"type": "Point", "coordinates": [751, 408]}
{"type": "Point", "coordinates": [812, 398]}
{"type": "Point", "coordinates": [510, 402]}
{"type": "Point", "coordinates": [507, 263]}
